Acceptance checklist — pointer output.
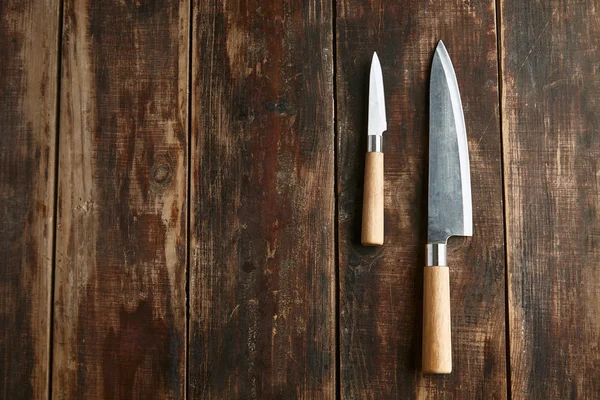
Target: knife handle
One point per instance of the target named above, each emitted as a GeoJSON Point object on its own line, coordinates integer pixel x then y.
{"type": "Point", "coordinates": [437, 343]}
{"type": "Point", "coordinates": [372, 216]}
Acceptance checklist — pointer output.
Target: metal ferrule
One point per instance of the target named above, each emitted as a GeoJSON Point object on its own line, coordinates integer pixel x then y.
{"type": "Point", "coordinates": [436, 255]}
{"type": "Point", "coordinates": [375, 142]}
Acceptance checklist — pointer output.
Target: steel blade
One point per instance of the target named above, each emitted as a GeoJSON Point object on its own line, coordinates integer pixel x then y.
{"type": "Point", "coordinates": [450, 210]}
{"type": "Point", "coordinates": [377, 121]}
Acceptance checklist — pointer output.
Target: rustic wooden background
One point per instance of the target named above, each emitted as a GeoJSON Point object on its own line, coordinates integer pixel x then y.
{"type": "Point", "coordinates": [181, 186]}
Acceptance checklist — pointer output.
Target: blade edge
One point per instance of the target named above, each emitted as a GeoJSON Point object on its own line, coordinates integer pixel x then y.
{"type": "Point", "coordinates": [461, 130]}
{"type": "Point", "coordinates": [377, 113]}
{"type": "Point", "coordinates": [451, 83]}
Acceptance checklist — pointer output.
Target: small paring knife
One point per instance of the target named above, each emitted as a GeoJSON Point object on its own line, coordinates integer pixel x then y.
{"type": "Point", "coordinates": [372, 216]}
{"type": "Point", "coordinates": [450, 211]}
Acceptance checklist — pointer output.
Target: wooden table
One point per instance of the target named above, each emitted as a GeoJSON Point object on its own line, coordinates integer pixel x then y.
{"type": "Point", "coordinates": [182, 183]}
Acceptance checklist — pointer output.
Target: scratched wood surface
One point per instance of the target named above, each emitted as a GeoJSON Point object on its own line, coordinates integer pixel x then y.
{"type": "Point", "coordinates": [282, 301]}
{"type": "Point", "coordinates": [28, 85]}
{"type": "Point", "coordinates": [120, 291]}
{"type": "Point", "coordinates": [551, 106]}
{"type": "Point", "coordinates": [262, 281]}
{"type": "Point", "coordinates": [381, 288]}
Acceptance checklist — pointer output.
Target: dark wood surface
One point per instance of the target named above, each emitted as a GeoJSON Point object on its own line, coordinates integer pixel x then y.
{"type": "Point", "coordinates": [551, 121]}
{"type": "Point", "coordinates": [28, 96]}
{"type": "Point", "coordinates": [262, 279]}
{"type": "Point", "coordinates": [381, 288]}
{"type": "Point", "coordinates": [121, 252]}
{"type": "Point", "coordinates": [207, 159]}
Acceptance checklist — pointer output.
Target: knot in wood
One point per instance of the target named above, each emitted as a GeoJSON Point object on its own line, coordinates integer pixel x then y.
{"type": "Point", "coordinates": [161, 175]}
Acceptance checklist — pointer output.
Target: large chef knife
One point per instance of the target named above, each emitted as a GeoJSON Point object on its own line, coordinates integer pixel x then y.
{"type": "Point", "coordinates": [372, 220]}
{"type": "Point", "coordinates": [450, 211]}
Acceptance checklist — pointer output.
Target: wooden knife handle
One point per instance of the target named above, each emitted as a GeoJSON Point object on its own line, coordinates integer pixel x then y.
{"type": "Point", "coordinates": [437, 344]}
{"type": "Point", "coordinates": [372, 216]}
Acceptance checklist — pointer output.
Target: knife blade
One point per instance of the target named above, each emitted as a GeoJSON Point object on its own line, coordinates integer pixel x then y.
{"type": "Point", "coordinates": [372, 221]}
{"type": "Point", "coordinates": [449, 207]}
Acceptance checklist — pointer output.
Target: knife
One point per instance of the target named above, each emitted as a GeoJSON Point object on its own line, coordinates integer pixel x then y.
{"type": "Point", "coordinates": [449, 208]}
{"type": "Point", "coordinates": [372, 217]}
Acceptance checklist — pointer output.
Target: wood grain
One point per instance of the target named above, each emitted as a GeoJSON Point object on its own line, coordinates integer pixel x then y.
{"type": "Point", "coordinates": [382, 288]}
{"type": "Point", "coordinates": [551, 106]}
{"type": "Point", "coordinates": [28, 96]}
{"type": "Point", "coordinates": [372, 214]}
{"type": "Point", "coordinates": [262, 297]}
{"type": "Point", "coordinates": [437, 331]}
{"type": "Point", "coordinates": [120, 300]}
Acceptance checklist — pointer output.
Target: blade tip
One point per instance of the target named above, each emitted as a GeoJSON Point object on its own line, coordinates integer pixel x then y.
{"type": "Point", "coordinates": [375, 59]}
{"type": "Point", "coordinates": [441, 48]}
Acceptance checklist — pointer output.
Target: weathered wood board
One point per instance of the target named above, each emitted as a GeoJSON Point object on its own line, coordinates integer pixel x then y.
{"type": "Point", "coordinates": [28, 97]}
{"type": "Point", "coordinates": [262, 276]}
{"type": "Point", "coordinates": [121, 254]}
{"type": "Point", "coordinates": [381, 288]}
{"type": "Point", "coordinates": [551, 108]}
{"type": "Point", "coordinates": [269, 83]}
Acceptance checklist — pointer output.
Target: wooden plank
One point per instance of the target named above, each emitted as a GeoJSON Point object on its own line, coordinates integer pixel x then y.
{"type": "Point", "coordinates": [262, 297]}
{"type": "Point", "coordinates": [551, 105]}
{"type": "Point", "coordinates": [382, 288]}
{"type": "Point", "coordinates": [120, 300]}
{"type": "Point", "coordinates": [28, 96]}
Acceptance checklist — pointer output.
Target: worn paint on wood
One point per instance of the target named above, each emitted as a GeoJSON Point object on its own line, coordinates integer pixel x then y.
{"type": "Point", "coordinates": [551, 104]}
{"type": "Point", "coordinates": [382, 288]}
{"type": "Point", "coordinates": [262, 280]}
{"type": "Point", "coordinates": [28, 96]}
{"type": "Point", "coordinates": [120, 301]}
